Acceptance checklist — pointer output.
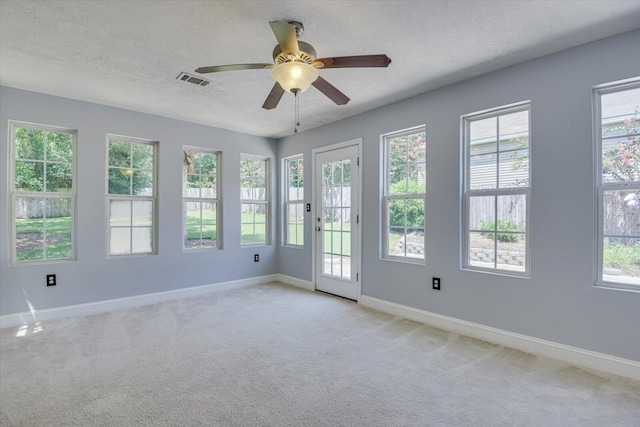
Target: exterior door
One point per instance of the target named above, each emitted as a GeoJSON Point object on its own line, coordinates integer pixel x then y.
{"type": "Point", "coordinates": [336, 222]}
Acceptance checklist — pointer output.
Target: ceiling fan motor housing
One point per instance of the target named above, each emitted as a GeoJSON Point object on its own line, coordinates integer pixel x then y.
{"type": "Point", "coordinates": [307, 54]}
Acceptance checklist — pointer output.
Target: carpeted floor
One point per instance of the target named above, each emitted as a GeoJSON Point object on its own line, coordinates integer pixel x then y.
{"type": "Point", "coordinates": [273, 355]}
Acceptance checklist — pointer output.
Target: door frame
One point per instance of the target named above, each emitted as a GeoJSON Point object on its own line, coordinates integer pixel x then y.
{"type": "Point", "coordinates": [357, 259]}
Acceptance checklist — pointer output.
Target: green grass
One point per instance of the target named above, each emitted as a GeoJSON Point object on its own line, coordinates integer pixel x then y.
{"type": "Point", "coordinates": [623, 257]}
{"type": "Point", "coordinates": [341, 243]}
{"type": "Point", "coordinates": [29, 233]}
{"type": "Point", "coordinates": [208, 225]}
{"type": "Point", "coordinates": [248, 235]}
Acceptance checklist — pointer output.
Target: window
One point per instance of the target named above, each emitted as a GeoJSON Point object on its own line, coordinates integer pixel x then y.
{"type": "Point", "coordinates": [254, 200]}
{"type": "Point", "coordinates": [617, 136]}
{"type": "Point", "coordinates": [404, 190]}
{"type": "Point", "coordinates": [200, 198]}
{"type": "Point", "coordinates": [496, 201]}
{"type": "Point", "coordinates": [294, 201]}
{"type": "Point", "coordinates": [131, 196]}
{"type": "Point", "coordinates": [42, 192]}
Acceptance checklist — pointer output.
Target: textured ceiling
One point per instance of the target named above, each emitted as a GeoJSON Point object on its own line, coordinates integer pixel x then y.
{"type": "Point", "coordinates": [128, 53]}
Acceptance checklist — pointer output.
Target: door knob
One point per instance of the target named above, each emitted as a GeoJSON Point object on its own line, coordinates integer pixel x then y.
{"type": "Point", "coordinates": [318, 229]}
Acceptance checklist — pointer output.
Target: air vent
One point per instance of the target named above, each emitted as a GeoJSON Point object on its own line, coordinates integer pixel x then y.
{"type": "Point", "coordinates": [192, 79]}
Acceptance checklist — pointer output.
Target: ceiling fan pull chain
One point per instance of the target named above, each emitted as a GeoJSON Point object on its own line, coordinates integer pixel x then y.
{"type": "Point", "coordinates": [297, 111]}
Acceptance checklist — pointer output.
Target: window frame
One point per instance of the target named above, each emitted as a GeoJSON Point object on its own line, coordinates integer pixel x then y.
{"type": "Point", "coordinates": [600, 186]}
{"type": "Point", "coordinates": [386, 197]}
{"type": "Point", "coordinates": [467, 193]}
{"type": "Point", "coordinates": [287, 202]}
{"type": "Point", "coordinates": [217, 201]}
{"type": "Point", "coordinates": [132, 198]}
{"type": "Point", "coordinates": [14, 194]}
{"type": "Point", "coordinates": [266, 201]}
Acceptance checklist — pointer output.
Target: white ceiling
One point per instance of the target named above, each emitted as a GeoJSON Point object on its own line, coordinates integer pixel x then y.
{"type": "Point", "coordinates": [128, 53]}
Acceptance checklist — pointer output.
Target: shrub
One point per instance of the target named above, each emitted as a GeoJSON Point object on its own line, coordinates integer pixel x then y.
{"type": "Point", "coordinates": [503, 225]}
{"type": "Point", "coordinates": [415, 208]}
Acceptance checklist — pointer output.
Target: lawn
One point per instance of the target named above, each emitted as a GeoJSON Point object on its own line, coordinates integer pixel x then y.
{"type": "Point", "coordinates": [30, 243]}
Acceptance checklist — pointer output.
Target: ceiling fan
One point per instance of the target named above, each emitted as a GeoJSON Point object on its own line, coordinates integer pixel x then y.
{"type": "Point", "coordinates": [295, 66]}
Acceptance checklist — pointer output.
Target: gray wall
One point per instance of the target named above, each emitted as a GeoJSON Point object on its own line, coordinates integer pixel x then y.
{"type": "Point", "coordinates": [559, 302]}
{"type": "Point", "coordinates": [93, 277]}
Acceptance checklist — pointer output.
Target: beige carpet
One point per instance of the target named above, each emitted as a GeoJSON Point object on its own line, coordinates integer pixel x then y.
{"type": "Point", "coordinates": [273, 355]}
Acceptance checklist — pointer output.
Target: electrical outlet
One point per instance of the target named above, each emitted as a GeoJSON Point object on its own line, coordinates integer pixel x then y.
{"type": "Point", "coordinates": [436, 283]}
{"type": "Point", "coordinates": [256, 258]}
{"type": "Point", "coordinates": [51, 279]}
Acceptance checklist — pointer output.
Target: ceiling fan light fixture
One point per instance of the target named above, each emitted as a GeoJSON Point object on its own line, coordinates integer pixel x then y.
{"type": "Point", "coordinates": [295, 76]}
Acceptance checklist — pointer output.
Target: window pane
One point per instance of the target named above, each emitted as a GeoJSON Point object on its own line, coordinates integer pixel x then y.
{"type": "Point", "coordinates": [209, 221]}
{"type": "Point", "coordinates": [142, 183]}
{"type": "Point", "coordinates": [619, 112]}
{"type": "Point", "coordinates": [59, 147]}
{"type": "Point", "coordinates": [396, 241]}
{"type": "Point", "coordinates": [620, 121]}
{"type": "Point", "coordinates": [482, 249]}
{"type": "Point", "coordinates": [58, 213]}
{"type": "Point", "coordinates": [30, 245]}
{"type": "Point", "coordinates": [511, 252]}
{"type": "Point", "coordinates": [483, 135]}
{"type": "Point", "coordinates": [142, 240]}
{"type": "Point", "coordinates": [120, 213]}
{"type": "Point", "coordinates": [119, 181]}
{"type": "Point", "coordinates": [142, 156]}
{"type": "Point", "coordinates": [621, 260]}
{"type": "Point", "coordinates": [414, 243]}
{"type": "Point", "coordinates": [514, 130]}
{"type": "Point", "coordinates": [59, 178]}
{"type": "Point", "coordinates": [120, 241]}
{"type": "Point", "coordinates": [191, 186]}
{"type": "Point", "coordinates": [29, 238]}
{"type": "Point", "coordinates": [483, 172]}
{"type": "Point", "coordinates": [58, 244]}
{"type": "Point", "coordinates": [514, 169]}
{"type": "Point", "coordinates": [119, 154]}
{"type": "Point", "coordinates": [482, 213]}
{"type": "Point", "coordinates": [29, 144]}
{"type": "Point", "coordinates": [621, 216]}
{"type": "Point", "coordinates": [512, 213]}
{"type": "Point", "coordinates": [398, 180]}
{"type": "Point", "coordinates": [29, 176]}
{"type": "Point", "coordinates": [142, 213]}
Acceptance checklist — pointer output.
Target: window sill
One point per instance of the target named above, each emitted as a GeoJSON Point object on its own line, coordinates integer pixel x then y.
{"type": "Point", "coordinates": [504, 273]}
{"type": "Point", "coordinates": [405, 261]}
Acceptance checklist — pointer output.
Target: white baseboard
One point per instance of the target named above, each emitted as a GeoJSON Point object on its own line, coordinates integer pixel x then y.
{"type": "Point", "coordinates": [574, 355]}
{"type": "Point", "coordinates": [294, 281]}
{"type": "Point", "coordinates": [88, 309]}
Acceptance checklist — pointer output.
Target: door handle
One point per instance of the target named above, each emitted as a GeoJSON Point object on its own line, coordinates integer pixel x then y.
{"type": "Point", "coordinates": [318, 228]}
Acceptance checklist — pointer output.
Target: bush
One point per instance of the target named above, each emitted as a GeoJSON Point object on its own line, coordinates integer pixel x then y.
{"type": "Point", "coordinates": [503, 225]}
{"type": "Point", "coordinates": [415, 208]}
{"type": "Point", "coordinates": [618, 255]}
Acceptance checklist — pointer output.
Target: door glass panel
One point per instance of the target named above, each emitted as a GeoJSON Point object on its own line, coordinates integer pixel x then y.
{"type": "Point", "coordinates": [336, 209]}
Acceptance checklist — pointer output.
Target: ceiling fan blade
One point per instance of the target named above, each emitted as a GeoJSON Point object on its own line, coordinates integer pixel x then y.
{"type": "Point", "coordinates": [330, 91]}
{"type": "Point", "coordinates": [354, 61]}
{"type": "Point", "coordinates": [286, 35]}
{"type": "Point", "coordinates": [274, 97]}
{"type": "Point", "coordinates": [233, 67]}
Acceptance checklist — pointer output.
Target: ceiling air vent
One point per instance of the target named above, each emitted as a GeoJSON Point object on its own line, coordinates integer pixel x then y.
{"type": "Point", "coordinates": [192, 79]}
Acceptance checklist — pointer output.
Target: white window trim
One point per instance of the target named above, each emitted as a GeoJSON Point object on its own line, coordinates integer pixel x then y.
{"type": "Point", "coordinates": [266, 202]}
{"type": "Point", "coordinates": [286, 202]}
{"type": "Point", "coordinates": [13, 126]}
{"type": "Point", "coordinates": [217, 200]}
{"type": "Point", "coordinates": [465, 121]}
{"type": "Point", "coordinates": [385, 198]}
{"type": "Point", "coordinates": [153, 199]}
{"type": "Point", "coordinates": [600, 188]}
